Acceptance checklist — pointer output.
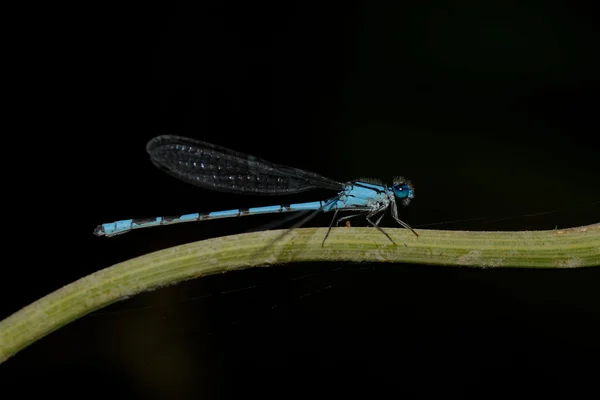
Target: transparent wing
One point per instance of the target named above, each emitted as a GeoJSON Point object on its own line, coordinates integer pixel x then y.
{"type": "Point", "coordinates": [218, 168]}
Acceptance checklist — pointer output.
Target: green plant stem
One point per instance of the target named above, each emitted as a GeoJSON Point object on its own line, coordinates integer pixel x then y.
{"type": "Point", "coordinates": [567, 248]}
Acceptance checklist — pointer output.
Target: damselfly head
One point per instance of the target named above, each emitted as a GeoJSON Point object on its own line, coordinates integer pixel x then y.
{"type": "Point", "coordinates": [403, 190]}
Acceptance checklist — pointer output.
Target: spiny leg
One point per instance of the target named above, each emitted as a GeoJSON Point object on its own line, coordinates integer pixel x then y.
{"type": "Point", "coordinates": [338, 222]}
{"type": "Point", "coordinates": [348, 217]}
{"type": "Point", "coordinates": [330, 225]}
{"type": "Point", "coordinates": [375, 212]}
{"type": "Point", "coordinates": [372, 213]}
{"type": "Point", "coordinates": [398, 220]}
{"type": "Point", "coordinates": [342, 219]}
{"type": "Point", "coordinates": [404, 224]}
{"type": "Point", "coordinates": [379, 220]}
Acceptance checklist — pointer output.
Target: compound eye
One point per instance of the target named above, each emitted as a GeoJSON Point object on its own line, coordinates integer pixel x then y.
{"type": "Point", "coordinates": [401, 191]}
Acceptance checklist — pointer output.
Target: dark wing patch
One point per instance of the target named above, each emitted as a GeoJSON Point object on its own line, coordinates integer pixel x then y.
{"type": "Point", "coordinates": [218, 168]}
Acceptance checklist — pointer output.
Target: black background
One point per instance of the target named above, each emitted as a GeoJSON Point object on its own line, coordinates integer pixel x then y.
{"type": "Point", "coordinates": [489, 108]}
